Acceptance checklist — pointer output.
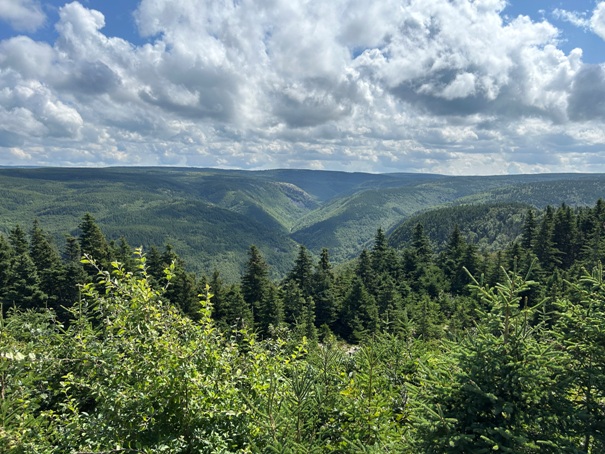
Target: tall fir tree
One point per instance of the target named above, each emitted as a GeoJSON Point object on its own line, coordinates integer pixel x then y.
{"type": "Point", "coordinates": [302, 272]}
{"type": "Point", "coordinates": [49, 267]}
{"type": "Point", "coordinates": [323, 292]}
{"type": "Point", "coordinates": [94, 244]}
{"type": "Point", "coordinates": [544, 246]}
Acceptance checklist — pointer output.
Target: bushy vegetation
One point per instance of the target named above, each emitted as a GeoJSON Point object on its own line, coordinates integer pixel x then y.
{"type": "Point", "coordinates": [403, 350]}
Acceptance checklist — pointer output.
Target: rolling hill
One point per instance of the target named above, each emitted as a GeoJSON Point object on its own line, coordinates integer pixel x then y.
{"type": "Point", "coordinates": [212, 216]}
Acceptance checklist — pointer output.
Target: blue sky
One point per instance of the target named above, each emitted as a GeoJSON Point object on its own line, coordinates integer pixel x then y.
{"type": "Point", "coordinates": [446, 86]}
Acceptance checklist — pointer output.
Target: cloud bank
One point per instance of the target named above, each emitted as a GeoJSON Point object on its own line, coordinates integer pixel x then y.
{"type": "Point", "coordinates": [414, 85]}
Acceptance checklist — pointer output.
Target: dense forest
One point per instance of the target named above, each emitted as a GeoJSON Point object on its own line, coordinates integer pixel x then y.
{"type": "Point", "coordinates": [211, 216]}
{"type": "Point", "coordinates": [425, 342]}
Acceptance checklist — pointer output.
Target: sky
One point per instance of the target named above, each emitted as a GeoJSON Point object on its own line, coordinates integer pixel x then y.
{"type": "Point", "coordinates": [457, 87]}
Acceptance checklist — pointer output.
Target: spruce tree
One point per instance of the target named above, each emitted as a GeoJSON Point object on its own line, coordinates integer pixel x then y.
{"type": "Point", "coordinates": [48, 266]}
{"type": "Point", "coordinates": [324, 294]}
{"type": "Point", "coordinates": [360, 313]}
{"type": "Point", "coordinates": [529, 231]}
{"type": "Point", "coordinates": [544, 246]}
{"type": "Point", "coordinates": [302, 272]}
{"type": "Point", "coordinates": [260, 294]}
{"type": "Point", "coordinates": [94, 245]}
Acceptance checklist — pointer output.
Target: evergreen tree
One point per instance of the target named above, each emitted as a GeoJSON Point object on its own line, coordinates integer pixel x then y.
{"type": "Point", "coordinates": [255, 281]}
{"type": "Point", "coordinates": [581, 330]}
{"type": "Point", "coordinates": [24, 288]}
{"type": "Point", "coordinates": [302, 273]}
{"type": "Point", "coordinates": [365, 270]}
{"type": "Point", "coordinates": [48, 266]}
{"type": "Point", "coordinates": [236, 311]}
{"type": "Point", "coordinates": [260, 294]}
{"type": "Point", "coordinates": [6, 259]}
{"type": "Point", "coordinates": [269, 312]}
{"type": "Point", "coordinates": [324, 295]}
{"type": "Point", "coordinates": [499, 389]}
{"type": "Point", "coordinates": [299, 311]}
{"type": "Point", "coordinates": [94, 244]}
{"type": "Point", "coordinates": [544, 246]}
{"type": "Point", "coordinates": [392, 316]}
{"type": "Point", "coordinates": [122, 251]}
{"type": "Point", "coordinates": [360, 313]}
{"type": "Point", "coordinates": [379, 255]}
{"type": "Point", "coordinates": [183, 289]}
{"type": "Point", "coordinates": [452, 260]}
{"type": "Point", "coordinates": [529, 231]}
{"type": "Point", "coordinates": [565, 236]}
{"type": "Point", "coordinates": [18, 241]}
{"type": "Point", "coordinates": [421, 245]}
{"type": "Point", "coordinates": [74, 274]}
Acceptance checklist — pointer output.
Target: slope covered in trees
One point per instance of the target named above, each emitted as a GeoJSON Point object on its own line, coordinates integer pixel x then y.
{"type": "Point", "coordinates": [211, 216]}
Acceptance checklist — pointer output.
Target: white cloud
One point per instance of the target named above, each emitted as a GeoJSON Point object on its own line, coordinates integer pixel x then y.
{"type": "Point", "coordinates": [573, 17]}
{"type": "Point", "coordinates": [22, 15]}
{"type": "Point", "coordinates": [597, 21]}
{"type": "Point", "coordinates": [352, 84]}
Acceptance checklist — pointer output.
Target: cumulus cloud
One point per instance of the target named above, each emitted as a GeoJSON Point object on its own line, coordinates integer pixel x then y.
{"type": "Point", "coordinates": [418, 85]}
{"type": "Point", "coordinates": [22, 15]}
{"type": "Point", "coordinates": [597, 21]}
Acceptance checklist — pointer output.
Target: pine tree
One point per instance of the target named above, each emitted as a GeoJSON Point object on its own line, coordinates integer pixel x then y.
{"type": "Point", "coordinates": [123, 253]}
{"type": "Point", "coordinates": [500, 389]}
{"type": "Point", "coordinates": [183, 289]}
{"type": "Point", "coordinates": [74, 274]}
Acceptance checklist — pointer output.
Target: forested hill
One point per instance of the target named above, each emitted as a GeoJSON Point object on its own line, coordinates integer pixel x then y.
{"type": "Point", "coordinates": [211, 217]}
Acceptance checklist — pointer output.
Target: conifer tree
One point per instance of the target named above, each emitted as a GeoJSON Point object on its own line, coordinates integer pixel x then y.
{"type": "Point", "coordinates": [122, 251]}
{"type": "Point", "coordinates": [360, 313]}
{"type": "Point", "coordinates": [6, 259]}
{"type": "Point", "coordinates": [379, 254]}
{"type": "Point", "coordinates": [421, 245]}
{"type": "Point", "coordinates": [48, 266]}
{"type": "Point", "coordinates": [236, 312]}
{"type": "Point", "coordinates": [183, 288]}
{"type": "Point", "coordinates": [18, 240]}
{"type": "Point", "coordinates": [24, 288]}
{"type": "Point", "coordinates": [544, 246]}
{"type": "Point", "coordinates": [565, 236]}
{"type": "Point", "coordinates": [365, 270]}
{"type": "Point", "coordinates": [260, 294]}
{"type": "Point", "coordinates": [299, 311]}
{"type": "Point", "coordinates": [74, 272]}
{"type": "Point", "coordinates": [302, 272]}
{"type": "Point", "coordinates": [529, 231]}
{"type": "Point", "coordinates": [94, 244]}
{"type": "Point", "coordinates": [324, 294]}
